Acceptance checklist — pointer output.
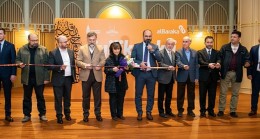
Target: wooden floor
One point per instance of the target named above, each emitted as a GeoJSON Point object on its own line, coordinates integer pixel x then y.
{"type": "Point", "coordinates": [186, 127]}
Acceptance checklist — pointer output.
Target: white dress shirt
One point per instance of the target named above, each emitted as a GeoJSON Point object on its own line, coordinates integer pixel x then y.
{"type": "Point", "coordinates": [66, 61]}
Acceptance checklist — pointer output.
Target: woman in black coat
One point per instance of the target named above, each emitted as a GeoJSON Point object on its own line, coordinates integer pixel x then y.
{"type": "Point", "coordinates": [116, 82]}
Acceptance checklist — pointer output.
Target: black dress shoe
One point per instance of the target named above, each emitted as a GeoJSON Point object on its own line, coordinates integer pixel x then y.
{"type": "Point", "coordinates": [149, 116]}
{"type": "Point", "coordinates": [99, 118]}
{"type": "Point", "coordinates": [170, 114]}
{"type": "Point", "coordinates": [212, 114]}
{"type": "Point", "coordinates": [191, 113]}
{"type": "Point", "coordinates": [68, 118]}
{"type": "Point", "coordinates": [220, 113]}
{"type": "Point", "coordinates": [180, 114]}
{"type": "Point", "coordinates": [252, 113]}
{"type": "Point", "coordinates": [121, 117]}
{"type": "Point", "coordinates": [233, 114]}
{"type": "Point", "coordinates": [163, 115]}
{"type": "Point", "coordinates": [114, 118]}
{"type": "Point", "coordinates": [59, 120]}
{"type": "Point", "coordinates": [85, 119]}
{"type": "Point", "coordinates": [139, 117]}
{"type": "Point", "coordinates": [9, 119]}
{"type": "Point", "coordinates": [202, 114]}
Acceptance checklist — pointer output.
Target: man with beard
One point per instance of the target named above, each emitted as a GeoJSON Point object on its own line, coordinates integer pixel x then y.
{"type": "Point", "coordinates": [145, 54]}
{"type": "Point", "coordinates": [90, 60]}
{"type": "Point", "coordinates": [208, 76]}
{"type": "Point", "coordinates": [62, 77]}
{"type": "Point", "coordinates": [34, 76]}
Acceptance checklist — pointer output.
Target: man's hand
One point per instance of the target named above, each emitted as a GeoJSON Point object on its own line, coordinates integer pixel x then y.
{"type": "Point", "coordinates": [63, 67]}
{"type": "Point", "coordinates": [97, 67]}
{"type": "Point", "coordinates": [21, 65]}
{"type": "Point", "coordinates": [46, 82]}
{"type": "Point", "coordinates": [247, 65]}
{"type": "Point", "coordinates": [171, 68]}
{"type": "Point", "coordinates": [217, 65]}
{"type": "Point", "coordinates": [150, 47]}
{"type": "Point", "coordinates": [186, 67]}
{"type": "Point", "coordinates": [249, 77]}
{"type": "Point", "coordinates": [88, 66]}
{"type": "Point", "coordinates": [212, 65]}
{"type": "Point", "coordinates": [12, 78]}
{"type": "Point", "coordinates": [143, 66]}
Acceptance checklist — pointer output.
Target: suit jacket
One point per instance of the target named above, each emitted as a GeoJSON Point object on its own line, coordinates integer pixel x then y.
{"type": "Point", "coordinates": [225, 56]}
{"type": "Point", "coordinates": [7, 56]}
{"type": "Point", "coordinates": [137, 54]}
{"type": "Point", "coordinates": [55, 58]}
{"type": "Point", "coordinates": [182, 60]}
{"type": "Point", "coordinates": [84, 58]}
{"type": "Point", "coordinates": [204, 70]}
{"type": "Point", "coordinates": [254, 52]}
{"type": "Point", "coordinates": [164, 75]}
{"type": "Point", "coordinates": [41, 57]}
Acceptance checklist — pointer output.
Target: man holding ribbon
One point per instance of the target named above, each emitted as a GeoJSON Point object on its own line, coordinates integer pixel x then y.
{"type": "Point", "coordinates": [8, 73]}
{"type": "Point", "coordinates": [145, 54]}
{"type": "Point", "coordinates": [32, 59]}
{"type": "Point", "coordinates": [90, 60]}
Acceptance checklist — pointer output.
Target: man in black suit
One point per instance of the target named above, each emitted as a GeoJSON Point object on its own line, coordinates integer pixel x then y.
{"type": "Point", "coordinates": [62, 77]}
{"type": "Point", "coordinates": [7, 74]}
{"type": "Point", "coordinates": [253, 73]}
{"type": "Point", "coordinates": [208, 76]}
{"type": "Point", "coordinates": [166, 78]}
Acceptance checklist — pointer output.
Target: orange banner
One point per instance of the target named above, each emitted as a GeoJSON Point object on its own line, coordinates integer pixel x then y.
{"type": "Point", "coordinates": [126, 31]}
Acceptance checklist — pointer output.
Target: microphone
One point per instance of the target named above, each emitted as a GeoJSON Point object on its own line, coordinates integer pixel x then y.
{"type": "Point", "coordinates": [147, 42]}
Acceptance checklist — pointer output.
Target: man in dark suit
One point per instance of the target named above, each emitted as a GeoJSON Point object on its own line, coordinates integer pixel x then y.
{"type": "Point", "coordinates": [145, 54]}
{"type": "Point", "coordinates": [62, 77]}
{"type": "Point", "coordinates": [208, 76]}
{"type": "Point", "coordinates": [7, 74]}
{"type": "Point", "coordinates": [253, 73]}
{"type": "Point", "coordinates": [188, 74]}
{"type": "Point", "coordinates": [166, 78]}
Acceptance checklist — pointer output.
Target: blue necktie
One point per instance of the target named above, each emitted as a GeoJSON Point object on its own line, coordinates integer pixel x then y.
{"type": "Point", "coordinates": [209, 54]}
{"type": "Point", "coordinates": [0, 48]}
{"type": "Point", "coordinates": [145, 54]}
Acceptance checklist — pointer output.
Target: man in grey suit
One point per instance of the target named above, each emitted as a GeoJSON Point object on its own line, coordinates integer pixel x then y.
{"type": "Point", "coordinates": [62, 77]}
{"type": "Point", "coordinates": [188, 74]}
{"type": "Point", "coordinates": [166, 78]}
{"type": "Point", "coordinates": [145, 54]}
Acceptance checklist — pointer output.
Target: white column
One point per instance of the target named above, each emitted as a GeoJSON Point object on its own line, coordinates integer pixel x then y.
{"type": "Point", "coordinates": [143, 9]}
{"type": "Point", "coordinates": [26, 14]}
{"type": "Point", "coordinates": [249, 25]}
{"type": "Point", "coordinates": [201, 14]}
{"type": "Point", "coordinates": [231, 15]}
{"type": "Point", "coordinates": [172, 9]}
{"type": "Point", "coordinates": [57, 9]}
{"type": "Point", "coordinates": [86, 6]}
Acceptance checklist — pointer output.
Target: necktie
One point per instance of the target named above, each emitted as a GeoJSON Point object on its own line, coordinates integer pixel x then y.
{"type": "Point", "coordinates": [209, 54]}
{"type": "Point", "coordinates": [145, 54]}
{"type": "Point", "coordinates": [0, 47]}
{"type": "Point", "coordinates": [170, 56]}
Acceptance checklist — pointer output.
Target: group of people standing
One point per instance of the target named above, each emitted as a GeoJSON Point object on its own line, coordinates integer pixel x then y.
{"type": "Point", "coordinates": [205, 67]}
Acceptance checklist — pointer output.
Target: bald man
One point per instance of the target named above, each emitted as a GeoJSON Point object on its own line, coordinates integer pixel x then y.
{"type": "Point", "coordinates": [33, 77]}
{"type": "Point", "coordinates": [62, 77]}
{"type": "Point", "coordinates": [187, 75]}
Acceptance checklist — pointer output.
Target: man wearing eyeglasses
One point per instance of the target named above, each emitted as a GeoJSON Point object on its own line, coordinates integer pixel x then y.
{"type": "Point", "coordinates": [33, 76]}
{"type": "Point", "coordinates": [145, 54]}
